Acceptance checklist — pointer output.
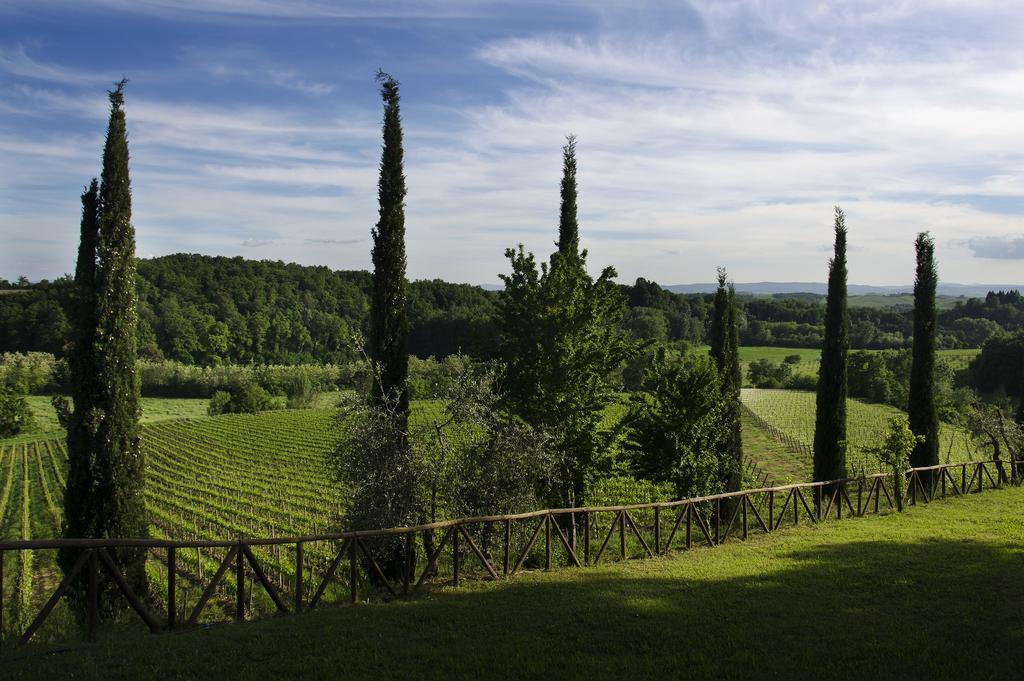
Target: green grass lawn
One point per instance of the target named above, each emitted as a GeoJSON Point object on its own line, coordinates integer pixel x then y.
{"type": "Point", "coordinates": [810, 357]}
{"type": "Point", "coordinates": [932, 593]}
{"type": "Point", "coordinates": [153, 409]}
{"type": "Point", "coordinates": [782, 464]}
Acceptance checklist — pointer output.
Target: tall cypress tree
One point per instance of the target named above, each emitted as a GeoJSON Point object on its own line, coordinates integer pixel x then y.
{"type": "Point", "coordinates": [568, 226]}
{"type": "Point", "coordinates": [389, 327]}
{"type": "Point", "coordinates": [105, 482]}
{"type": "Point", "coordinates": [830, 415]}
{"type": "Point", "coordinates": [79, 513]}
{"type": "Point", "coordinates": [725, 352]}
{"type": "Point", "coordinates": [924, 416]}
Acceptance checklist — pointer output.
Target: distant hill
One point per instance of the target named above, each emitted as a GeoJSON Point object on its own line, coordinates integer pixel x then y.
{"type": "Point", "coordinates": [786, 287]}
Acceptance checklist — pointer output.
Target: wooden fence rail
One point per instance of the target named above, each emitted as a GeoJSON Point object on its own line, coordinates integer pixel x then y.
{"type": "Point", "coordinates": [674, 525]}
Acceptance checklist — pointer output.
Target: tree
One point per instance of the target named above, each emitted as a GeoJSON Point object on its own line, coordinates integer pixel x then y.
{"type": "Point", "coordinates": [678, 426]}
{"type": "Point", "coordinates": [15, 413]}
{"type": "Point", "coordinates": [560, 338]}
{"type": "Point", "coordinates": [104, 495]}
{"type": "Point", "coordinates": [893, 454]}
{"type": "Point", "coordinates": [921, 408]}
{"type": "Point", "coordinates": [725, 352]}
{"type": "Point", "coordinates": [568, 225]}
{"type": "Point", "coordinates": [389, 327]}
{"type": "Point", "coordinates": [830, 415]}
{"type": "Point", "coordinates": [374, 457]}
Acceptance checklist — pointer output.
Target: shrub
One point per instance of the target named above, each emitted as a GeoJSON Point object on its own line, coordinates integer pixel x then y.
{"type": "Point", "coordinates": [763, 373]}
{"type": "Point", "coordinates": [244, 398]}
{"type": "Point", "coordinates": [15, 414]}
{"type": "Point", "coordinates": [802, 382]}
{"type": "Point", "coordinates": [301, 393]}
{"type": "Point", "coordinates": [218, 403]}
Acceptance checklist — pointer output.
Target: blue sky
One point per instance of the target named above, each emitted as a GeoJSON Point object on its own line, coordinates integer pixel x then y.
{"type": "Point", "coordinates": [710, 133]}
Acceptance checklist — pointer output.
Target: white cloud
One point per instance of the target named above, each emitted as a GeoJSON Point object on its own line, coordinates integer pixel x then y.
{"type": "Point", "coordinates": [722, 140]}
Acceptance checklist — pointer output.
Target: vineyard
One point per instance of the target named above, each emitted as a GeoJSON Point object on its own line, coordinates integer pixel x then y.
{"type": "Point", "coordinates": [216, 478]}
{"type": "Point", "coordinates": [789, 416]}
{"type": "Point", "coordinates": [206, 478]}
{"type": "Point", "coordinates": [209, 478]}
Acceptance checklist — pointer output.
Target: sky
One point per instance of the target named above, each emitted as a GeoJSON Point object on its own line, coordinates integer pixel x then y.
{"type": "Point", "coordinates": [709, 132]}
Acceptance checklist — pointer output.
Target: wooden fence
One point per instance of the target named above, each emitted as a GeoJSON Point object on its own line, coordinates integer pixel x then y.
{"type": "Point", "coordinates": [673, 525]}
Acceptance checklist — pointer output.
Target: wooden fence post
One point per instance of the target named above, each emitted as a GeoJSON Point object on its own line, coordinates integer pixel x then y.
{"type": "Point", "coordinates": [657, 530]}
{"type": "Point", "coordinates": [718, 520]}
{"type": "Point", "coordinates": [172, 579]}
{"type": "Point", "coordinates": [508, 542]}
{"type": "Point", "coordinates": [547, 542]}
{"type": "Point", "coordinates": [586, 537]}
{"type": "Point", "coordinates": [240, 583]}
{"type": "Point", "coordinates": [93, 595]}
{"type": "Point", "coordinates": [743, 508]}
{"type": "Point", "coordinates": [298, 576]}
{"type": "Point", "coordinates": [353, 573]}
{"type": "Point", "coordinates": [622, 534]}
{"type": "Point", "coordinates": [407, 566]}
{"type": "Point", "coordinates": [455, 556]}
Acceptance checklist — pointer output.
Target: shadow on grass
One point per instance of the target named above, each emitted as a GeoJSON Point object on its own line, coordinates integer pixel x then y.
{"type": "Point", "coordinates": [928, 609]}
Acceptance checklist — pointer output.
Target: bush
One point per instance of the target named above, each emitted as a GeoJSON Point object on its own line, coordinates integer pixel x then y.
{"type": "Point", "coordinates": [15, 414]}
{"type": "Point", "coordinates": [218, 403]}
{"type": "Point", "coordinates": [791, 359]}
{"type": "Point", "coordinates": [765, 374]}
{"type": "Point", "coordinates": [802, 382]}
{"type": "Point", "coordinates": [32, 373]}
{"type": "Point", "coordinates": [245, 398]}
{"type": "Point", "coordinates": [175, 379]}
{"type": "Point", "coordinates": [301, 393]}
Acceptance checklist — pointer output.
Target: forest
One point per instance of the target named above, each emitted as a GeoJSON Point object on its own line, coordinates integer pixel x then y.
{"type": "Point", "coordinates": [208, 310]}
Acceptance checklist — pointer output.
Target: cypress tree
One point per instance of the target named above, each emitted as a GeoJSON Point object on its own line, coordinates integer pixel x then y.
{"type": "Point", "coordinates": [106, 488]}
{"type": "Point", "coordinates": [568, 226]}
{"type": "Point", "coordinates": [561, 337]}
{"type": "Point", "coordinates": [924, 416]}
{"type": "Point", "coordinates": [830, 415]}
{"type": "Point", "coordinates": [79, 518]}
{"type": "Point", "coordinates": [725, 352]}
{"type": "Point", "coordinates": [389, 327]}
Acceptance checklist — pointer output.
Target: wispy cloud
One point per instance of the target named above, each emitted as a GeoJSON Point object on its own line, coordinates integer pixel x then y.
{"type": "Point", "coordinates": [715, 133]}
{"type": "Point", "coordinates": [998, 247]}
{"type": "Point", "coordinates": [16, 61]}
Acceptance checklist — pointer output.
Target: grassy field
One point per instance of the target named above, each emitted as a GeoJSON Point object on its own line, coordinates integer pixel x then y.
{"type": "Point", "coordinates": [792, 412]}
{"type": "Point", "coordinates": [809, 357]}
{"type": "Point", "coordinates": [770, 456]}
{"type": "Point", "coordinates": [153, 409]}
{"type": "Point", "coordinates": [924, 594]}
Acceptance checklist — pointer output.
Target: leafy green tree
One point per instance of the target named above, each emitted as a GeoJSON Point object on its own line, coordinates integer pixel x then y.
{"type": "Point", "coordinates": [726, 353]}
{"type": "Point", "coordinates": [894, 453]}
{"type": "Point", "coordinates": [764, 373]}
{"type": "Point", "coordinates": [677, 426]}
{"type": "Point", "coordinates": [561, 338]}
{"type": "Point", "coordinates": [104, 494]}
{"type": "Point", "coordinates": [389, 327]}
{"type": "Point", "coordinates": [830, 416]}
{"type": "Point", "coordinates": [921, 407]}
{"type": "Point", "coordinates": [15, 413]}
{"type": "Point", "coordinates": [999, 368]}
